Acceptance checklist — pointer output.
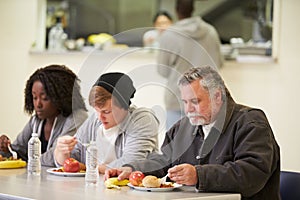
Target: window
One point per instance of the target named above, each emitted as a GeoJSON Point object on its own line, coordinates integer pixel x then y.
{"type": "Point", "coordinates": [248, 21]}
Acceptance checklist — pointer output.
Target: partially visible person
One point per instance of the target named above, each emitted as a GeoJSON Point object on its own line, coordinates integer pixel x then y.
{"type": "Point", "coordinates": [123, 133]}
{"type": "Point", "coordinates": [189, 40]}
{"type": "Point", "coordinates": [53, 100]}
{"type": "Point", "coordinates": [219, 146]}
{"type": "Point", "coordinates": [161, 21]}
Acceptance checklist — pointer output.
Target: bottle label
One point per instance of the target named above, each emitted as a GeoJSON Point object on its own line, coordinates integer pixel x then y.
{"type": "Point", "coordinates": [91, 159]}
{"type": "Point", "coordinates": [34, 153]}
{"type": "Point", "coordinates": [92, 174]}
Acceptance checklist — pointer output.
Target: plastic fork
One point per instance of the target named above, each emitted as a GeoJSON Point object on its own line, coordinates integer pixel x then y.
{"type": "Point", "coordinates": [14, 154]}
{"type": "Point", "coordinates": [164, 179]}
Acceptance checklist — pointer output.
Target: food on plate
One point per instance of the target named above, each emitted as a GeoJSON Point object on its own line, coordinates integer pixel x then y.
{"type": "Point", "coordinates": [10, 163]}
{"type": "Point", "coordinates": [136, 178]}
{"type": "Point", "coordinates": [115, 183]}
{"type": "Point", "coordinates": [166, 185]}
{"type": "Point", "coordinates": [151, 181]}
{"type": "Point", "coordinates": [2, 158]}
{"type": "Point", "coordinates": [82, 166]}
{"type": "Point", "coordinates": [71, 165]}
{"type": "Point", "coordinates": [58, 170]}
{"type": "Point", "coordinates": [7, 163]}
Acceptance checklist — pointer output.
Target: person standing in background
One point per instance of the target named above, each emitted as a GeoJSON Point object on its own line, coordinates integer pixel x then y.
{"type": "Point", "coordinates": [161, 21]}
{"type": "Point", "coordinates": [188, 42]}
{"type": "Point", "coordinates": [52, 95]}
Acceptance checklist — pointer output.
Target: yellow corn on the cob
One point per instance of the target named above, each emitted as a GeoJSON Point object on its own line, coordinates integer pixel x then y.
{"type": "Point", "coordinates": [115, 183]}
{"type": "Point", "coordinates": [8, 164]}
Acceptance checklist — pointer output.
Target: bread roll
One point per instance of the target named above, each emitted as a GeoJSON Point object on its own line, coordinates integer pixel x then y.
{"type": "Point", "coordinates": [151, 182]}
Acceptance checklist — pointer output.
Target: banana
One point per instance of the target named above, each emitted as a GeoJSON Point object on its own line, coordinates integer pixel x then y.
{"type": "Point", "coordinates": [9, 164]}
{"type": "Point", "coordinates": [115, 183]}
{"type": "Point", "coordinates": [101, 38]}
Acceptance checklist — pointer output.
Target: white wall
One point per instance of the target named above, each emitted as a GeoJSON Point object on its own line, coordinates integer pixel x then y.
{"type": "Point", "coordinates": [17, 34]}
{"type": "Point", "coordinates": [272, 87]}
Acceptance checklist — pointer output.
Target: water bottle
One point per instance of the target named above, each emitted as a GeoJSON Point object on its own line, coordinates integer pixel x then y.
{"type": "Point", "coordinates": [92, 174]}
{"type": "Point", "coordinates": [57, 37]}
{"type": "Point", "coordinates": [34, 155]}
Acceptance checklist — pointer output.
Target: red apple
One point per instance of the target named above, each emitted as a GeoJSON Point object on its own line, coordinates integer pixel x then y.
{"type": "Point", "coordinates": [136, 178]}
{"type": "Point", "coordinates": [71, 165]}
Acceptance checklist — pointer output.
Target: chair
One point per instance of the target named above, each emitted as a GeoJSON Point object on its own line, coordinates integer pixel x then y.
{"type": "Point", "coordinates": [289, 185]}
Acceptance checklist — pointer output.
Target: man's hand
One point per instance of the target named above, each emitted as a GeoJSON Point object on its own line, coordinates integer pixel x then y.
{"type": "Point", "coordinates": [64, 146]}
{"type": "Point", "coordinates": [4, 142]}
{"type": "Point", "coordinates": [185, 174]}
{"type": "Point", "coordinates": [121, 173]}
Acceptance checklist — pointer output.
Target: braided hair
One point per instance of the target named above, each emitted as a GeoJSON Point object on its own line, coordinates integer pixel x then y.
{"type": "Point", "coordinates": [61, 86]}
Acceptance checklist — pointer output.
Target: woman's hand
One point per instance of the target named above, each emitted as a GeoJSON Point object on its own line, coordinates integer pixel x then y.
{"type": "Point", "coordinates": [4, 142]}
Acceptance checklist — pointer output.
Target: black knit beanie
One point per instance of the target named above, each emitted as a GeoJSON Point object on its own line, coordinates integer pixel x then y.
{"type": "Point", "coordinates": [119, 85]}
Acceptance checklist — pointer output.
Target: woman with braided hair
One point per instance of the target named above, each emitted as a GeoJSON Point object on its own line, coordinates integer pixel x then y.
{"type": "Point", "coordinates": [56, 106]}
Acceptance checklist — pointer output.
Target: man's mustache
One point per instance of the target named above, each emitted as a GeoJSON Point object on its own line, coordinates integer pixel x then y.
{"type": "Point", "coordinates": [193, 115]}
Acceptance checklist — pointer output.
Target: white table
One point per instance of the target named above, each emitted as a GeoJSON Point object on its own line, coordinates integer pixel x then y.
{"type": "Point", "coordinates": [16, 184]}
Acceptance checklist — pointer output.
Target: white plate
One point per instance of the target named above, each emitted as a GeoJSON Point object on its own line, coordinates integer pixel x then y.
{"type": "Point", "coordinates": [175, 185]}
{"type": "Point", "coordinates": [69, 174]}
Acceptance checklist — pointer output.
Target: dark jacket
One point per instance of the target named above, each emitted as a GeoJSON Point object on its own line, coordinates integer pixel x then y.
{"type": "Point", "coordinates": [245, 158]}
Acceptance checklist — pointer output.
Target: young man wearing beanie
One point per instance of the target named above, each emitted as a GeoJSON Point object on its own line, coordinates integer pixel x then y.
{"type": "Point", "coordinates": [123, 133]}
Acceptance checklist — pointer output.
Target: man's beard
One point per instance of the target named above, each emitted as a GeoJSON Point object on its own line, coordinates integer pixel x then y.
{"type": "Point", "coordinates": [196, 121]}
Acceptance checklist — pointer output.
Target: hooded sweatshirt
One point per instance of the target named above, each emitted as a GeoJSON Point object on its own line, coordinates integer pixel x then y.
{"type": "Point", "coordinates": [137, 136]}
{"type": "Point", "coordinates": [190, 42]}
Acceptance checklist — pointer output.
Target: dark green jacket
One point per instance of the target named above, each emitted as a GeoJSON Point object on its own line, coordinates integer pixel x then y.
{"type": "Point", "coordinates": [245, 158]}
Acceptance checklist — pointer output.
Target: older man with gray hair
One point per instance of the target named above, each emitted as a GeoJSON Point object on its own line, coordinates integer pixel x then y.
{"type": "Point", "coordinates": [219, 146]}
